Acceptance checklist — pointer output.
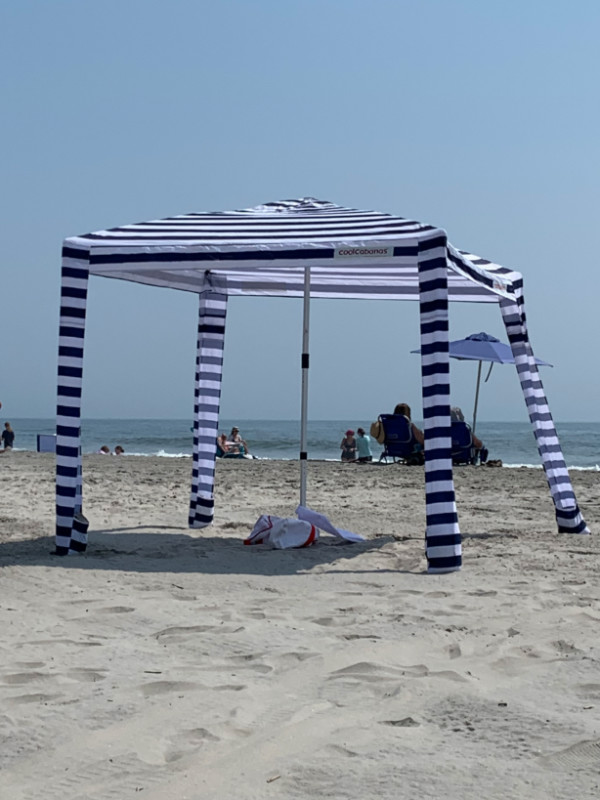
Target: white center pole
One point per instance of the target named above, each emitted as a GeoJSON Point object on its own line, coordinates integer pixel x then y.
{"type": "Point", "coordinates": [304, 408]}
{"type": "Point", "coordinates": [476, 397]}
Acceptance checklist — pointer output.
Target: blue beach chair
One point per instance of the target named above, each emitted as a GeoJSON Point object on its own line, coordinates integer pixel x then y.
{"type": "Point", "coordinates": [463, 449]}
{"type": "Point", "coordinates": [399, 443]}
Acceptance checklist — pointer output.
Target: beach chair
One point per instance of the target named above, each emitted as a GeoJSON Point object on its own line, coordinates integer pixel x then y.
{"type": "Point", "coordinates": [463, 449]}
{"type": "Point", "coordinates": [399, 443]}
{"type": "Point", "coordinates": [46, 443]}
{"type": "Point", "coordinates": [241, 454]}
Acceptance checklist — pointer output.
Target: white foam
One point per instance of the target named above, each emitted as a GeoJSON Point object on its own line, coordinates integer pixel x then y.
{"type": "Point", "coordinates": [594, 468]}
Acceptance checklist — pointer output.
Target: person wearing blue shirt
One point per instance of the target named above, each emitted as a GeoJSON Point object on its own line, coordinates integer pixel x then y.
{"type": "Point", "coordinates": [363, 447]}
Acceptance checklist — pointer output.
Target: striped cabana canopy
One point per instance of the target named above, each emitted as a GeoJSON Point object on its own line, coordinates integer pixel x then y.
{"type": "Point", "coordinates": [265, 250]}
{"type": "Point", "coordinates": [299, 248]}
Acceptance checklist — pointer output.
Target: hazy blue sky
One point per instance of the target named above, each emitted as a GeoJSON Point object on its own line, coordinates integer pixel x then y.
{"type": "Point", "coordinates": [479, 117]}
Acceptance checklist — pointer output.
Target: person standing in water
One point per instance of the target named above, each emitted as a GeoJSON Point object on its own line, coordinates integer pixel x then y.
{"type": "Point", "coordinates": [8, 438]}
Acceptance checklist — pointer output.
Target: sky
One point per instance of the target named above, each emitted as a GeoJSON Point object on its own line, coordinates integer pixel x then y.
{"type": "Point", "coordinates": [480, 118]}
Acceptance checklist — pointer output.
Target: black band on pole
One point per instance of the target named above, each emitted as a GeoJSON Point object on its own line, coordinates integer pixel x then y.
{"type": "Point", "coordinates": [305, 360]}
{"type": "Point", "coordinates": [303, 456]}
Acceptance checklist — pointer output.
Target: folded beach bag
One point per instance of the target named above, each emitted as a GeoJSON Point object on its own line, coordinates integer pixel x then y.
{"type": "Point", "coordinates": [282, 532]}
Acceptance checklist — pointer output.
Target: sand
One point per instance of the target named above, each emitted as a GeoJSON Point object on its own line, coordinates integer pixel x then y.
{"type": "Point", "coordinates": [168, 663]}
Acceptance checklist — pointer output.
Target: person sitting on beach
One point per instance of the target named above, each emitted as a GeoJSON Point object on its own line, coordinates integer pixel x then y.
{"type": "Point", "coordinates": [236, 443]}
{"type": "Point", "coordinates": [8, 438]}
{"type": "Point", "coordinates": [348, 446]}
{"type": "Point", "coordinates": [363, 447]}
{"type": "Point", "coordinates": [418, 438]}
{"type": "Point", "coordinates": [481, 451]}
{"type": "Point", "coordinates": [222, 446]}
{"type": "Point", "coordinates": [404, 409]}
{"type": "Point", "coordinates": [104, 450]}
{"type": "Point", "coordinates": [119, 450]}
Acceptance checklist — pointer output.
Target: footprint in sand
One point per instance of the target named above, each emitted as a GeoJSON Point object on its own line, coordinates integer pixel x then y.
{"type": "Point", "coordinates": [366, 680]}
{"type": "Point", "coordinates": [86, 675]}
{"type": "Point", "coordinates": [64, 641]}
{"type": "Point", "coordinates": [341, 621]}
{"type": "Point", "coordinates": [454, 651]}
{"type": "Point", "coordinates": [294, 658]}
{"type": "Point", "coordinates": [229, 687]}
{"type": "Point", "coordinates": [251, 662]}
{"type": "Point", "coordinates": [187, 742]}
{"type": "Point", "coordinates": [182, 633]}
{"type": "Point", "coordinates": [405, 722]}
{"type": "Point", "coordinates": [166, 687]}
{"type": "Point", "coordinates": [588, 691]}
{"type": "Point", "coordinates": [340, 750]}
{"type": "Point", "coordinates": [566, 648]}
{"type": "Point", "coordinates": [18, 678]}
{"type": "Point", "coordinates": [255, 614]}
{"type": "Point", "coordinates": [371, 671]}
{"type": "Point", "coordinates": [379, 680]}
{"type": "Point", "coordinates": [38, 697]}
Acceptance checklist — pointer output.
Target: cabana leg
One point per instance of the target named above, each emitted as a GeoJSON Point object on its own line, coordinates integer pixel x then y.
{"type": "Point", "coordinates": [207, 395]}
{"type": "Point", "coordinates": [568, 515]}
{"type": "Point", "coordinates": [443, 541]}
{"type": "Point", "coordinates": [304, 402]}
{"type": "Point", "coordinates": [71, 525]}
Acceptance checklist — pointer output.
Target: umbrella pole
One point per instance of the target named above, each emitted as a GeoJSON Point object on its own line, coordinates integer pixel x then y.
{"type": "Point", "coordinates": [476, 397]}
{"type": "Point", "coordinates": [304, 406]}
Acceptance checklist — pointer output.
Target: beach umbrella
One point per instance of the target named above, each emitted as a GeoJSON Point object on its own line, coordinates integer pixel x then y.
{"type": "Point", "coordinates": [482, 347]}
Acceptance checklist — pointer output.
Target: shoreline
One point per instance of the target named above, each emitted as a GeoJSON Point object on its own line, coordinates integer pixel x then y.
{"type": "Point", "coordinates": [512, 443]}
{"type": "Point", "coordinates": [374, 463]}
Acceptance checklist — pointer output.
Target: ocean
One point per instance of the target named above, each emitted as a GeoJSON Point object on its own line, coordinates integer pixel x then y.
{"type": "Point", "coordinates": [512, 442]}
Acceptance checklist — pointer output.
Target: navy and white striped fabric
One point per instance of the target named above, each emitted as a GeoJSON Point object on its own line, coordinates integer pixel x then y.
{"type": "Point", "coordinates": [265, 251]}
{"type": "Point", "coordinates": [207, 395]}
{"type": "Point", "coordinates": [71, 526]}
{"type": "Point", "coordinates": [443, 541]}
{"type": "Point", "coordinates": [568, 515]}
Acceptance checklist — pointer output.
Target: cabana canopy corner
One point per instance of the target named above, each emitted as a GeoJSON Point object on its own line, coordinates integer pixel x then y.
{"type": "Point", "coordinates": [299, 248]}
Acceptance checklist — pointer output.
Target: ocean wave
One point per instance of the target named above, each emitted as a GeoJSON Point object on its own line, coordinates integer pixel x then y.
{"type": "Point", "coordinates": [162, 453]}
{"type": "Point", "coordinates": [592, 468]}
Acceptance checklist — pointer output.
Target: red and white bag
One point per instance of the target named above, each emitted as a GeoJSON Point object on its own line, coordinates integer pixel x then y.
{"type": "Point", "coordinates": [282, 532]}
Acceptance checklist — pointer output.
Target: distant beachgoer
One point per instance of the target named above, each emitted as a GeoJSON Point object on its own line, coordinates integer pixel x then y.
{"type": "Point", "coordinates": [236, 443]}
{"type": "Point", "coordinates": [404, 409]}
{"type": "Point", "coordinates": [348, 446]}
{"type": "Point", "coordinates": [8, 437]}
{"type": "Point", "coordinates": [456, 415]}
{"type": "Point", "coordinates": [222, 446]}
{"type": "Point", "coordinates": [363, 447]}
{"type": "Point", "coordinates": [119, 451]}
{"type": "Point", "coordinates": [104, 450]}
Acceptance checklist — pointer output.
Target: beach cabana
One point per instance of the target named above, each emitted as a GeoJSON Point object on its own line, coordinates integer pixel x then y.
{"type": "Point", "coordinates": [299, 248]}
